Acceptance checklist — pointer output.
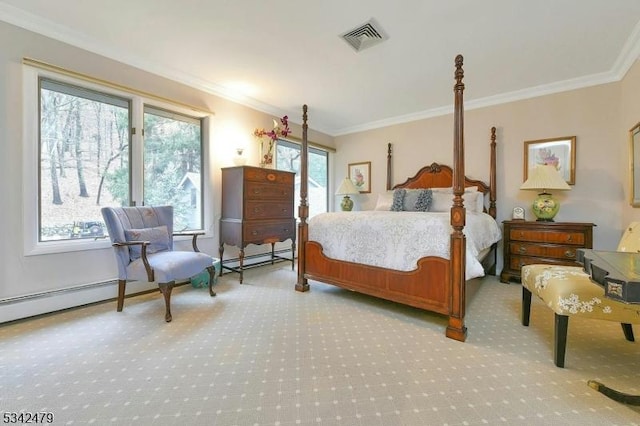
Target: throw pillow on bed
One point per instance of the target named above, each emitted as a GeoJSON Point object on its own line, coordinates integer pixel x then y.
{"type": "Point", "coordinates": [398, 200]}
{"type": "Point", "coordinates": [411, 200]}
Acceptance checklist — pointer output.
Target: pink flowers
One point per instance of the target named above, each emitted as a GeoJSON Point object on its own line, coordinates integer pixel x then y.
{"type": "Point", "coordinates": [279, 130]}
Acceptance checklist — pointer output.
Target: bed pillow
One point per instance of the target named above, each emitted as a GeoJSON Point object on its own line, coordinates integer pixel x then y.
{"type": "Point", "coordinates": [443, 200]}
{"type": "Point", "coordinates": [385, 200]}
{"type": "Point", "coordinates": [158, 238]}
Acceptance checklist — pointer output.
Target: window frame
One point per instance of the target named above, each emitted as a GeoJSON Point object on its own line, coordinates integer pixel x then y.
{"type": "Point", "coordinates": [316, 150]}
{"type": "Point", "coordinates": [31, 157]}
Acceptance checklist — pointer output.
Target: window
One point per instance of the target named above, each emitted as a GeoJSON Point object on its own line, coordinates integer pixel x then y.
{"type": "Point", "coordinates": [97, 146]}
{"type": "Point", "coordinates": [173, 164]}
{"type": "Point", "coordinates": [288, 158]}
{"type": "Point", "coordinates": [84, 159]}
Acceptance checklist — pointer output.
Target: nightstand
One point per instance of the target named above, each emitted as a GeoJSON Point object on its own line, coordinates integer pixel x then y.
{"type": "Point", "coordinates": [542, 242]}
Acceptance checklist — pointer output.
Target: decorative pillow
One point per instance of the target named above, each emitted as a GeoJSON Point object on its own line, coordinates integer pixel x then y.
{"type": "Point", "coordinates": [385, 200]}
{"type": "Point", "coordinates": [411, 200]}
{"type": "Point", "coordinates": [423, 203]}
{"type": "Point", "coordinates": [158, 238]}
{"type": "Point", "coordinates": [398, 200]}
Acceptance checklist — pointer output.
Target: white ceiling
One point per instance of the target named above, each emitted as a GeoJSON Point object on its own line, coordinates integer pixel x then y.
{"type": "Point", "coordinates": [275, 55]}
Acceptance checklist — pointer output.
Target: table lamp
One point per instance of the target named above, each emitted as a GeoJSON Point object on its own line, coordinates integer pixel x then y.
{"type": "Point", "coordinates": [347, 188]}
{"type": "Point", "coordinates": [545, 177]}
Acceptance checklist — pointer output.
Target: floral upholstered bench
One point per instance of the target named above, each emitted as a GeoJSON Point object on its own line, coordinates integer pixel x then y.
{"type": "Point", "coordinates": [569, 291]}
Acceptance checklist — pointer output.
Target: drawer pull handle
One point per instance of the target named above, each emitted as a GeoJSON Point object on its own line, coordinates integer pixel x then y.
{"type": "Point", "coordinates": [569, 238]}
{"type": "Point", "coordinates": [522, 249]}
{"type": "Point", "coordinates": [256, 191]}
{"type": "Point", "coordinates": [570, 254]}
{"type": "Point", "coordinates": [521, 264]}
{"type": "Point", "coordinates": [254, 233]}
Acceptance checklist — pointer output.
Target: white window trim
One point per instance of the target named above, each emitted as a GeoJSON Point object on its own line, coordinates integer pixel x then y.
{"type": "Point", "coordinates": [31, 186]}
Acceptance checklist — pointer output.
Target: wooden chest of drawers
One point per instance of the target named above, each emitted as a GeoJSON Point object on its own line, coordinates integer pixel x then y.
{"type": "Point", "coordinates": [257, 208]}
{"type": "Point", "coordinates": [542, 242]}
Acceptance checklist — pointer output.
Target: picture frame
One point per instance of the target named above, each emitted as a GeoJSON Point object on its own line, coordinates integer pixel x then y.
{"type": "Point", "coordinates": [360, 175]}
{"type": "Point", "coordinates": [560, 152]}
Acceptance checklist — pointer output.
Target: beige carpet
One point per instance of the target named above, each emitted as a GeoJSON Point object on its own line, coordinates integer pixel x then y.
{"type": "Point", "coordinates": [261, 353]}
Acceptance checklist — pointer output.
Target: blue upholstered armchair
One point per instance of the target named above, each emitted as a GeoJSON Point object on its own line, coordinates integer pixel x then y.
{"type": "Point", "coordinates": [142, 238]}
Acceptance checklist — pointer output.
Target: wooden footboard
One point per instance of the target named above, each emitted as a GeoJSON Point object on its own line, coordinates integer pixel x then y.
{"type": "Point", "coordinates": [426, 287]}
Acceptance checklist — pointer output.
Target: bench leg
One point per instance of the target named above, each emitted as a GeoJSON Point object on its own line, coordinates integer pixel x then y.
{"type": "Point", "coordinates": [627, 329]}
{"type": "Point", "coordinates": [560, 339]}
{"type": "Point", "coordinates": [526, 306]}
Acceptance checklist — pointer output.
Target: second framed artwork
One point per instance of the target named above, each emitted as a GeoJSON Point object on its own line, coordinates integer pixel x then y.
{"type": "Point", "coordinates": [360, 175]}
{"type": "Point", "coordinates": [559, 152]}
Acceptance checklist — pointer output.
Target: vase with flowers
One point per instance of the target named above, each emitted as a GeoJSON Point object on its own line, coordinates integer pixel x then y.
{"type": "Point", "coordinates": [280, 129]}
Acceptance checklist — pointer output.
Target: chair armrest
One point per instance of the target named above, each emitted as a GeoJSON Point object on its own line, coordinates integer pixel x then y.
{"type": "Point", "coordinates": [190, 233]}
{"type": "Point", "coordinates": [131, 243]}
{"type": "Point", "coordinates": [143, 254]}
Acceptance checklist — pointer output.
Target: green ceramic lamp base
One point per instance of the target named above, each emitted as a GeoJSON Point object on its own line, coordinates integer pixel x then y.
{"type": "Point", "coordinates": [545, 207]}
{"type": "Point", "coordinates": [346, 204]}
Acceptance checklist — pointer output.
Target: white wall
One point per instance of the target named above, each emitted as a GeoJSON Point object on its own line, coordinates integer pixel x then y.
{"type": "Point", "coordinates": [23, 276]}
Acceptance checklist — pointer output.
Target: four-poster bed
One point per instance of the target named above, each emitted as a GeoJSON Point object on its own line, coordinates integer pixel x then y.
{"type": "Point", "coordinates": [437, 284]}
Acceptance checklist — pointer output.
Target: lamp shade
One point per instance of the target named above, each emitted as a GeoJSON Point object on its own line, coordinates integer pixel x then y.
{"type": "Point", "coordinates": [542, 178]}
{"type": "Point", "coordinates": [545, 177]}
{"type": "Point", "coordinates": [347, 188]}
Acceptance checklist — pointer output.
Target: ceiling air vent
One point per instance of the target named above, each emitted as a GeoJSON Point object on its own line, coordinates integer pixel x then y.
{"type": "Point", "coordinates": [366, 35]}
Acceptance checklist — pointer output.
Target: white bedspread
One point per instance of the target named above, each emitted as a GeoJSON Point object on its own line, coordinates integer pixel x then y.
{"type": "Point", "coordinates": [396, 240]}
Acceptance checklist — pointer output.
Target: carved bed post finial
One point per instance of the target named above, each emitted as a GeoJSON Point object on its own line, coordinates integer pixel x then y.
{"type": "Point", "coordinates": [303, 211]}
{"type": "Point", "coordinates": [456, 328]}
{"type": "Point", "coordinates": [389, 173]}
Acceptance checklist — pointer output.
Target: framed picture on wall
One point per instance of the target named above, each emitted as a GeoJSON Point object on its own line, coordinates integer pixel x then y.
{"type": "Point", "coordinates": [559, 152]}
{"type": "Point", "coordinates": [360, 175]}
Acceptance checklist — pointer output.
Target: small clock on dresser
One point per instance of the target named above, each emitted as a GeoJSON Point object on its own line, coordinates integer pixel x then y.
{"type": "Point", "coordinates": [518, 213]}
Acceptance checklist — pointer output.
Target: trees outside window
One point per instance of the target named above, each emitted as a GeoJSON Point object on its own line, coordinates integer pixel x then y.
{"type": "Point", "coordinates": [85, 160]}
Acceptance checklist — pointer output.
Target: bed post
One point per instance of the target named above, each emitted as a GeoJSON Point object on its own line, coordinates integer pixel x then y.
{"type": "Point", "coordinates": [303, 210]}
{"type": "Point", "coordinates": [456, 328]}
{"type": "Point", "coordinates": [492, 175]}
{"type": "Point", "coordinates": [389, 166]}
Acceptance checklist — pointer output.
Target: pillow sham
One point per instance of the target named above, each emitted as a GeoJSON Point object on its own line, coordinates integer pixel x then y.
{"type": "Point", "coordinates": [158, 238]}
{"type": "Point", "coordinates": [385, 200]}
{"type": "Point", "coordinates": [442, 201]}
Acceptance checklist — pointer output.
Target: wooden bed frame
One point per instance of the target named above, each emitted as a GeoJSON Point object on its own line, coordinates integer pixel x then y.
{"type": "Point", "coordinates": [438, 284]}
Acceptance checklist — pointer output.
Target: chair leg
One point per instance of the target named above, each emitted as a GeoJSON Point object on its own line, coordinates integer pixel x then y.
{"type": "Point", "coordinates": [627, 329]}
{"type": "Point", "coordinates": [560, 340]}
{"type": "Point", "coordinates": [212, 274]}
{"type": "Point", "coordinates": [526, 306]}
{"type": "Point", "coordinates": [166, 288]}
{"type": "Point", "coordinates": [122, 284]}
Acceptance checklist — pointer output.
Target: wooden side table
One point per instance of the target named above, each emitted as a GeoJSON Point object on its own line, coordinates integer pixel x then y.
{"type": "Point", "coordinates": [527, 242]}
